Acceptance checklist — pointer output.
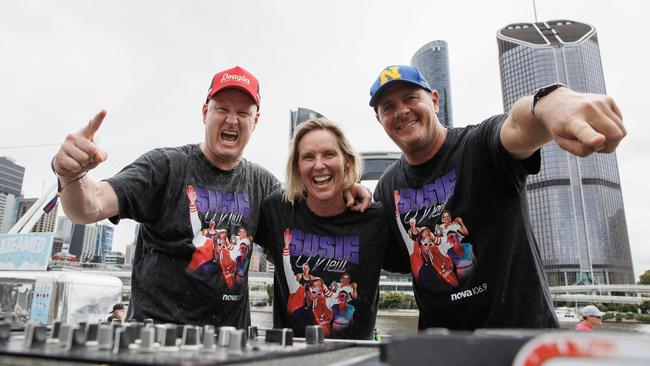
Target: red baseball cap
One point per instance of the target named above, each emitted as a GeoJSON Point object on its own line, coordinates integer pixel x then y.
{"type": "Point", "coordinates": [238, 78]}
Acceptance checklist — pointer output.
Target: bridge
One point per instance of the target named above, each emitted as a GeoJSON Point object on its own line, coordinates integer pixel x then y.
{"type": "Point", "coordinates": [618, 294]}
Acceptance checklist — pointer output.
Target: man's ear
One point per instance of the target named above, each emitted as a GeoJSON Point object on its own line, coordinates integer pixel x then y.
{"type": "Point", "coordinates": [204, 111]}
{"type": "Point", "coordinates": [435, 97]}
{"type": "Point", "coordinates": [257, 117]}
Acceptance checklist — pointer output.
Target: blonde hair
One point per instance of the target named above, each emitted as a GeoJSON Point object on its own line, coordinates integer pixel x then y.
{"type": "Point", "coordinates": [295, 188]}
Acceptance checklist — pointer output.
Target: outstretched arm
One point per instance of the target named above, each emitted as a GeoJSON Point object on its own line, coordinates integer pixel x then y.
{"type": "Point", "coordinates": [579, 123]}
{"type": "Point", "coordinates": [286, 263]}
{"type": "Point", "coordinates": [194, 215]}
{"type": "Point", "coordinates": [83, 199]}
{"type": "Point", "coordinates": [407, 240]}
{"type": "Point", "coordinates": [463, 229]}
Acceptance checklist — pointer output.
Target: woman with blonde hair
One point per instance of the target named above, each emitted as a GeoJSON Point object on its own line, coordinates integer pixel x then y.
{"type": "Point", "coordinates": [309, 223]}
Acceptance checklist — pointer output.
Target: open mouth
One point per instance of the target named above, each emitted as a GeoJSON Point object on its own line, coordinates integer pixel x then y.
{"type": "Point", "coordinates": [407, 125]}
{"type": "Point", "coordinates": [322, 180]}
{"type": "Point", "coordinates": [229, 136]}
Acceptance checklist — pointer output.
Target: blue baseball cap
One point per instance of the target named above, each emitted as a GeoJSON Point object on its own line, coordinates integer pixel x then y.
{"type": "Point", "coordinates": [391, 74]}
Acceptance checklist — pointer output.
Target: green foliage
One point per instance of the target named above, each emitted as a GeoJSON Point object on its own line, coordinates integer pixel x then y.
{"type": "Point", "coordinates": [644, 279]}
{"type": "Point", "coordinates": [623, 308]}
{"type": "Point", "coordinates": [645, 307]}
{"type": "Point", "coordinates": [269, 293]}
{"type": "Point", "coordinates": [396, 300]}
{"type": "Point", "coordinates": [644, 318]}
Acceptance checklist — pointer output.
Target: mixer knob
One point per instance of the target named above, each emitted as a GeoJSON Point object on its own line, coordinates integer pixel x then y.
{"type": "Point", "coordinates": [237, 340]}
{"type": "Point", "coordinates": [283, 337]}
{"type": "Point", "coordinates": [147, 338]}
{"type": "Point", "coordinates": [223, 340]}
{"type": "Point", "coordinates": [190, 336]}
{"type": "Point", "coordinates": [208, 337]}
{"type": "Point", "coordinates": [105, 336]}
{"type": "Point", "coordinates": [314, 334]}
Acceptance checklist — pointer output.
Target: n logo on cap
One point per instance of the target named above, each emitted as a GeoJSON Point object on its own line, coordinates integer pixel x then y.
{"type": "Point", "coordinates": [389, 73]}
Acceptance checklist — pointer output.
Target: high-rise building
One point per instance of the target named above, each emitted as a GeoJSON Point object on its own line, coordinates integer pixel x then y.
{"type": "Point", "coordinates": [11, 176]}
{"type": "Point", "coordinates": [77, 240]}
{"type": "Point", "coordinates": [11, 185]}
{"type": "Point", "coordinates": [89, 243]}
{"type": "Point", "coordinates": [432, 60]}
{"type": "Point", "coordinates": [114, 258]}
{"type": "Point", "coordinates": [47, 222]}
{"type": "Point", "coordinates": [64, 230]}
{"type": "Point", "coordinates": [104, 242]}
{"type": "Point", "coordinates": [575, 204]}
{"type": "Point", "coordinates": [299, 116]}
{"type": "Point", "coordinates": [7, 208]}
{"type": "Point", "coordinates": [128, 255]}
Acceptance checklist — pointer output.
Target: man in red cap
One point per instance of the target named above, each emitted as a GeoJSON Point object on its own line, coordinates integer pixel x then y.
{"type": "Point", "coordinates": [222, 190]}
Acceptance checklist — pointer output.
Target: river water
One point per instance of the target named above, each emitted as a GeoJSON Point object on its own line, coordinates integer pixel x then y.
{"type": "Point", "coordinates": [402, 324]}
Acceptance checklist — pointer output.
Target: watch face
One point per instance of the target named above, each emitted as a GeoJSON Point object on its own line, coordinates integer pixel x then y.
{"type": "Point", "coordinates": [543, 91]}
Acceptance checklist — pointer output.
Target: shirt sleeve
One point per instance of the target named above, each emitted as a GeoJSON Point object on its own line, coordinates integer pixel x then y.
{"type": "Point", "coordinates": [487, 137]}
{"type": "Point", "coordinates": [140, 187]}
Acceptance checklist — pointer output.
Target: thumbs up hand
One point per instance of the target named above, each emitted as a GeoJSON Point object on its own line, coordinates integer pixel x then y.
{"type": "Point", "coordinates": [79, 153]}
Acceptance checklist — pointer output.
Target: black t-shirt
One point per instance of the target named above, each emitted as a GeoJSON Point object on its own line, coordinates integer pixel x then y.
{"type": "Point", "coordinates": [463, 221]}
{"type": "Point", "coordinates": [330, 273]}
{"type": "Point", "coordinates": [191, 261]}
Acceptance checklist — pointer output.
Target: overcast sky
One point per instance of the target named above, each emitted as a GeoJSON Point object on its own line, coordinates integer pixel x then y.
{"type": "Point", "coordinates": [149, 64]}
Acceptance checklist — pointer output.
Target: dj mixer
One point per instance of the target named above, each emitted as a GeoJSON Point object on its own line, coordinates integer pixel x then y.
{"type": "Point", "coordinates": [145, 343]}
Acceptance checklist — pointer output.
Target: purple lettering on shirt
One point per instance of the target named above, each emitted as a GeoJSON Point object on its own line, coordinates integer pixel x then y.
{"type": "Point", "coordinates": [433, 194]}
{"type": "Point", "coordinates": [223, 202]}
{"type": "Point", "coordinates": [202, 200]}
{"type": "Point", "coordinates": [313, 245]}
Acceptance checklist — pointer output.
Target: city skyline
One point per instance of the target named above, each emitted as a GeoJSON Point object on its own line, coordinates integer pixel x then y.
{"type": "Point", "coordinates": [64, 61]}
{"type": "Point", "coordinates": [432, 60]}
{"type": "Point", "coordinates": [575, 204]}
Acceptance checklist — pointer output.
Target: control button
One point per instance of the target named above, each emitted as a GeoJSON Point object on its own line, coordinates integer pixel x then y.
{"type": "Point", "coordinates": [54, 332]}
{"type": "Point", "coordinates": [105, 337]}
{"type": "Point", "coordinates": [121, 341]}
{"type": "Point", "coordinates": [147, 338]}
{"type": "Point", "coordinates": [251, 332]}
{"type": "Point", "coordinates": [77, 339]}
{"type": "Point", "coordinates": [91, 332]}
{"type": "Point", "coordinates": [314, 334]}
{"type": "Point", "coordinates": [283, 337]}
{"type": "Point", "coordinates": [5, 331]}
{"type": "Point", "coordinates": [35, 335]}
{"type": "Point", "coordinates": [169, 336]}
{"type": "Point", "coordinates": [208, 337]}
{"type": "Point", "coordinates": [190, 336]}
{"type": "Point", "coordinates": [237, 340]}
{"type": "Point", "coordinates": [223, 340]}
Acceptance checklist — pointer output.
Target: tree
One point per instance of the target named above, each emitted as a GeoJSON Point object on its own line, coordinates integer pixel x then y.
{"type": "Point", "coordinates": [645, 307]}
{"type": "Point", "coordinates": [269, 292]}
{"type": "Point", "coordinates": [644, 279]}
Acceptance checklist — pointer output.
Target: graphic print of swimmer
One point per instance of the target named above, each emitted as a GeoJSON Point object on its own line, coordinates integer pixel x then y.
{"type": "Point", "coordinates": [215, 256]}
{"type": "Point", "coordinates": [307, 303]}
{"type": "Point", "coordinates": [428, 263]}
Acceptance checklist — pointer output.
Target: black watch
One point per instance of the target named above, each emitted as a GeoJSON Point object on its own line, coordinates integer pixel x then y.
{"type": "Point", "coordinates": [542, 92]}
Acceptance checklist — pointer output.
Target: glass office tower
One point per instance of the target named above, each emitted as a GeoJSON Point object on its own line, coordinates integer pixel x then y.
{"type": "Point", "coordinates": [575, 204]}
{"type": "Point", "coordinates": [432, 60]}
{"type": "Point", "coordinates": [299, 116]}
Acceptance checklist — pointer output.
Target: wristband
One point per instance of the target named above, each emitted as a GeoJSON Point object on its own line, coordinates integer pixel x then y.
{"type": "Point", "coordinates": [542, 92]}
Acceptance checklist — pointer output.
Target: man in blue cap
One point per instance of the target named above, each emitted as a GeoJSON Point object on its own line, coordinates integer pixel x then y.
{"type": "Point", "coordinates": [479, 172]}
